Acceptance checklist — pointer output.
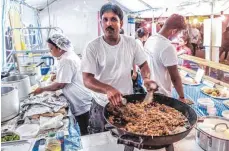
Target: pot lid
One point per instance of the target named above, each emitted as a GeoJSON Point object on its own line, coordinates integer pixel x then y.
{"type": "Point", "coordinates": [215, 126]}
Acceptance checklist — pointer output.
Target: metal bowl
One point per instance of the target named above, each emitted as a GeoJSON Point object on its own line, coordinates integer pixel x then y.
{"type": "Point", "coordinates": [14, 78]}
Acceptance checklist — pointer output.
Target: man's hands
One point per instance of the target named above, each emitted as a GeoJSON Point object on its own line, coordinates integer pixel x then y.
{"type": "Point", "coordinates": [134, 76]}
{"type": "Point", "coordinates": [38, 91]}
{"type": "Point", "coordinates": [114, 96]}
{"type": "Point", "coordinates": [150, 85]}
{"type": "Point", "coordinates": [53, 77]}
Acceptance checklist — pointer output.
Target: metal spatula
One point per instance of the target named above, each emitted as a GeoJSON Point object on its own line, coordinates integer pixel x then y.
{"type": "Point", "coordinates": [149, 95]}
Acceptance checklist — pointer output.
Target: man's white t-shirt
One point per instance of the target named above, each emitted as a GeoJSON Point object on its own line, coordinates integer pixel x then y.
{"type": "Point", "coordinates": [69, 71]}
{"type": "Point", "coordinates": [140, 43]}
{"type": "Point", "coordinates": [112, 64]}
{"type": "Point", "coordinates": [162, 54]}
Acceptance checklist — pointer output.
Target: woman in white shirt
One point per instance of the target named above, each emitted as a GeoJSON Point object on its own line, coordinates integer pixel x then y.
{"type": "Point", "coordinates": [69, 79]}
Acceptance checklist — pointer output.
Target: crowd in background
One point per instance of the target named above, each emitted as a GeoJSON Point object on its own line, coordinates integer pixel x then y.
{"type": "Point", "coordinates": [189, 42]}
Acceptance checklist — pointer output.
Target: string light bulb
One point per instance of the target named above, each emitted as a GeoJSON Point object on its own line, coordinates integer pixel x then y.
{"type": "Point", "coordinates": [195, 21]}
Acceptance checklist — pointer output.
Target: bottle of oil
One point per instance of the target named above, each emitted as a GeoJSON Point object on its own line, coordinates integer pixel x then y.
{"type": "Point", "coordinates": [52, 144]}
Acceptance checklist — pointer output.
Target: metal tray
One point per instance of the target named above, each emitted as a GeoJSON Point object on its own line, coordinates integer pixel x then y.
{"type": "Point", "coordinates": [21, 145]}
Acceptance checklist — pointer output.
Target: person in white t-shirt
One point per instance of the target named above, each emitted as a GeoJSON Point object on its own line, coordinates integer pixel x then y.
{"type": "Point", "coordinates": [163, 56]}
{"type": "Point", "coordinates": [107, 63]}
{"type": "Point", "coordinates": [69, 79]}
{"type": "Point", "coordinates": [142, 35]}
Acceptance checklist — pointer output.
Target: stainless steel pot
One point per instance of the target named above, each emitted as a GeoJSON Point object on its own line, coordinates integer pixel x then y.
{"type": "Point", "coordinates": [33, 77]}
{"type": "Point", "coordinates": [208, 139]}
{"type": "Point", "coordinates": [21, 82]}
{"type": "Point", "coordinates": [10, 104]}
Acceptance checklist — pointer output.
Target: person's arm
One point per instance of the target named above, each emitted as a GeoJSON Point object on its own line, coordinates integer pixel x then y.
{"type": "Point", "coordinates": [53, 87]}
{"type": "Point", "coordinates": [64, 76]}
{"type": "Point", "coordinates": [170, 61]}
{"type": "Point", "coordinates": [181, 52]}
{"type": "Point", "coordinates": [145, 72]}
{"type": "Point", "coordinates": [140, 59]}
{"type": "Point", "coordinates": [114, 96]}
{"type": "Point", "coordinates": [135, 74]}
{"type": "Point", "coordinates": [176, 80]}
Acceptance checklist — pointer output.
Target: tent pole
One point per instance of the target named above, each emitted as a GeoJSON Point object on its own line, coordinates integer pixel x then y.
{"type": "Point", "coordinates": [212, 17]}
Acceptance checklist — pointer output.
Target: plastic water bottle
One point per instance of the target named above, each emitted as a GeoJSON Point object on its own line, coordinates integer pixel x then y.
{"type": "Point", "coordinates": [52, 144]}
{"type": "Point", "coordinates": [60, 137]}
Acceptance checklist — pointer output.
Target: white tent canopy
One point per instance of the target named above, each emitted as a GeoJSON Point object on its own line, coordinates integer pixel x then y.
{"type": "Point", "coordinates": [79, 19]}
{"type": "Point", "coordinates": [147, 8]}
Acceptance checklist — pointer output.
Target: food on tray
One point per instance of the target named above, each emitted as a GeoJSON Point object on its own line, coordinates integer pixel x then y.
{"type": "Point", "coordinates": [214, 92]}
{"type": "Point", "coordinates": [144, 118]}
{"type": "Point", "coordinates": [10, 137]}
{"type": "Point", "coordinates": [62, 111]}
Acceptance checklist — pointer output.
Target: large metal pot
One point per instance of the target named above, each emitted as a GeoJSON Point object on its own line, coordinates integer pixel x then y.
{"type": "Point", "coordinates": [33, 77]}
{"type": "Point", "coordinates": [10, 105]}
{"type": "Point", "coordinates": [21, 82]}
{"type": "Point", "coordinates": [213, 134]}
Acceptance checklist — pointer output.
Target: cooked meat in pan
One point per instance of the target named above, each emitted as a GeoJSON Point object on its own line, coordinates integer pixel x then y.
{"type": "Point", "coordinates": [144, 118]}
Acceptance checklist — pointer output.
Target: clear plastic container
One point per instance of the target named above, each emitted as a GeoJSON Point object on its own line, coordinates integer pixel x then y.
{"type": "Point", "coordinates": [52, 144]}
{"type": "Point", "coordinates": [211, 110]}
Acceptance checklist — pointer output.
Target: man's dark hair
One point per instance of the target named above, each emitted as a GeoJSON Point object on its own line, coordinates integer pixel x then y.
{"type": "Point", "coordinates": [176, 21]}
{"type": "Point", "coordinates": [51, 42]}
{"type": "Point", "coordinates": [141, 32]}
{"type": "Point", "coordinates": [112, 7]}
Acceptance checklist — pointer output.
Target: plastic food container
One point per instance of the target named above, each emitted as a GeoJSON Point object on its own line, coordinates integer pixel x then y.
{"type": "Point", "coordinates": [205, 103]}
{"type": "Point", "coordinates": [28, 130]}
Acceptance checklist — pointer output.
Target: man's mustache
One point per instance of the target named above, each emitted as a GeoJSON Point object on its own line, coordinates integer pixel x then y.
{"type": "Point", "coordinates": [110, 28]}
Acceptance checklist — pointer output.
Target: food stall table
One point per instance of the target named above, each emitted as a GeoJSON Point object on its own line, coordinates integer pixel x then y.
{"type": "Point", "coordinates": [72, 140]}
{"type": "Point", "coordinates": [194, 93]}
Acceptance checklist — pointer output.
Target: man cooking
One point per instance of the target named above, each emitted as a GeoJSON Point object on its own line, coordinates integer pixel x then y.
{"type": "Point", "coordinates": [69, 79]}
{"type": "Point", "coordinates": [107, 64]}
{"type": "Point", "coordinates": [163, 56]}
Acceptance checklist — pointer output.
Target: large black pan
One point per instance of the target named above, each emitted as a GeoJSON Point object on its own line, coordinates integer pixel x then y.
{"type": "Point", "coordinates": [160, 141]}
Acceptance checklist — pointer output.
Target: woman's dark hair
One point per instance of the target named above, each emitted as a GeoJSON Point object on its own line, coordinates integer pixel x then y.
{"type": "Point", "coordinates": [141, 32]}
{"type": "Point", "coordinates": [112, 7]}
{"type": "Point", "coordinates": [51, 42]}
{"type": "Point", "coordinates": [188, 42]}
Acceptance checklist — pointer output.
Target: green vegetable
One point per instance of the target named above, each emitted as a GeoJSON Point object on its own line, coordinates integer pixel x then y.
{"type": "Point", "coordinates": [10, 137]}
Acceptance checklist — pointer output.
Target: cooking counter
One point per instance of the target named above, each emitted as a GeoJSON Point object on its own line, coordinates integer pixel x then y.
{"type": "Point", "coordinates": [106, 142]}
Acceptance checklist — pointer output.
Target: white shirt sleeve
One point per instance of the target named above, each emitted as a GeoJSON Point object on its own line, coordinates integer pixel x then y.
{"type": "Point", "coordinates": [139, 55]}
{"type": "Point", "coordinates": [169, 56]}
{"type": "Point", "coordinates": [88, 63]}
{"type": "Point", "coordinates": [65, 73]}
